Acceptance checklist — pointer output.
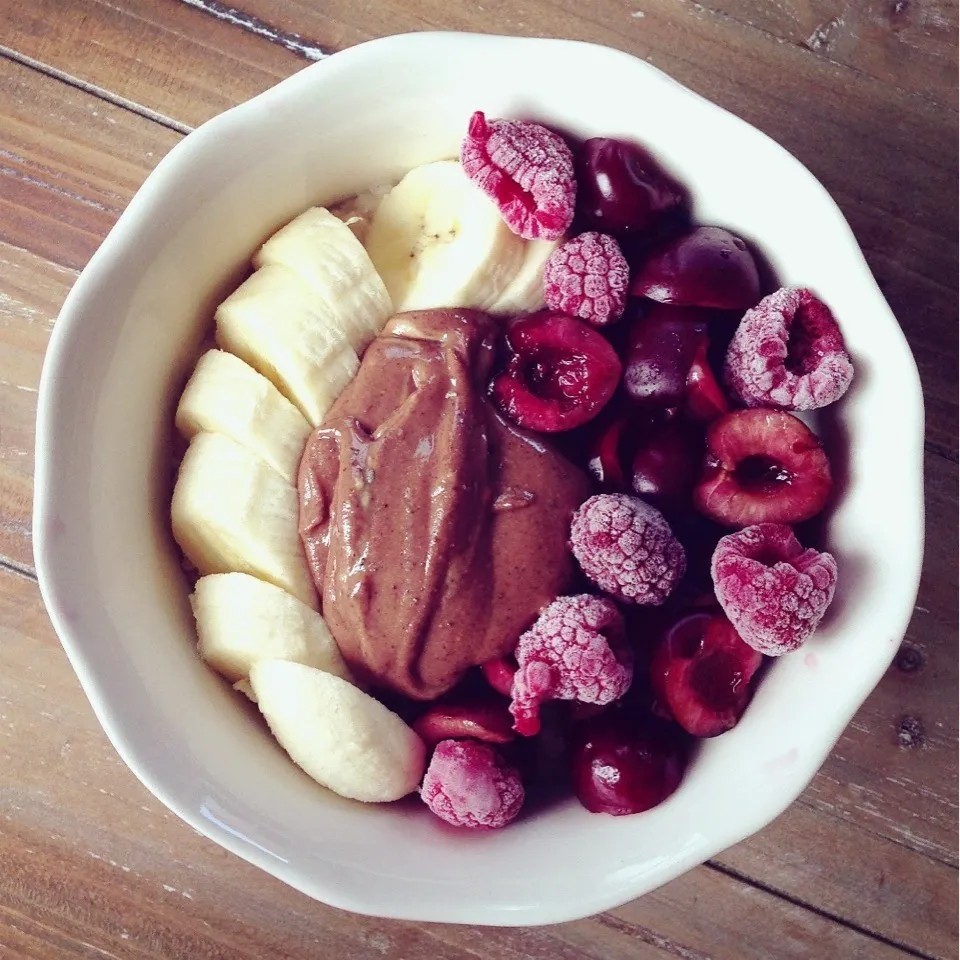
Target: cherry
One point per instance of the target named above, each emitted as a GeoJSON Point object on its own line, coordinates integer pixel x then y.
{"type": "Point", "coordinates": [621, 765]}
{"type": "Point", "coordinates": [665, 466]}
{"type": "Point", "coordinates": [482, 718]}
{"type": "Point", "coordinates": [702, 671]}
{"type": "Point", "coordinates": [762, 466]}
{"type": "Point", "coordinates": [621, 189]}
{"type": "Point", "coordinates": [559, 375]}
{"type": "Point", "coordinates": [705, 401]}
{"type": "Point", "coordinates": [704, 267]}
{"type": "Point", "coordinates": [662, 345]}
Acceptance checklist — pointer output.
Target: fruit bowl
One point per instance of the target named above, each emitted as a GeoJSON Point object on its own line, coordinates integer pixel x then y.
{"type": "Point", "coordinates": [111, 575]}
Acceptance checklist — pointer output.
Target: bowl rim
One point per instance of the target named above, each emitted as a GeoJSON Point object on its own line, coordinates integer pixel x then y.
{"type": "Point", "coordinates": [161, 179]}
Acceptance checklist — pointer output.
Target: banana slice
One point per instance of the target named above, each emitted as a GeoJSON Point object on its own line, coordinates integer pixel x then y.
{"type": "Point", "coordinates": [323, 250]}
{"type": "Point", "coordinates": [277, 323]}
{"type": "Point", "coordinates": [241, 620]}
{"type": "Point", "coordinates": [438, 241]}
{"type": "Point", "coordinates": [524, 293]}
{"type": "Point", "coordinates": [233, 513]}
{"type": "Point", "coordinates": [340, 736]}
{"type": "Point", "coordinates": [227, 396]}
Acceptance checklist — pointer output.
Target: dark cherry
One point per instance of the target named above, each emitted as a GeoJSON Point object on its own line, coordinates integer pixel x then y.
{"type": "Point", "coordinates": [484, 717]}
{"type": "Point", "coordinates": [703, 267]}
{"type": "Point", "coordinates": [662, 343]}
{"type": "Point", "coordinates": [621, 189]}
{"type": "Point", "coordinates": [621, 765]}
{"type": "Point", "coordinates": [559, 374]}
{"type": "Point", "coordinates": [705, 400]}
{"type": "Point", "coordinates": [702, 672]}
{"type": "Point", "coordinates": [666, 465]}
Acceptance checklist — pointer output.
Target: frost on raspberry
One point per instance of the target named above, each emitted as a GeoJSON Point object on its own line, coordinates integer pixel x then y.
{"type": "Point", "coordinates": [574, 651]}
{"type": "Point", "coordinates": [528, 172]}
{"type": "Point", "coordinates": [773, 591]}
{"type": "Point", "coordinates": [626, 547]}
{"type": "Point", "coordinates": [469, 784]}
{"type": "Point", "coordinates": [788, 353]}
{"type": "Point", "coordinates": [587, 278]}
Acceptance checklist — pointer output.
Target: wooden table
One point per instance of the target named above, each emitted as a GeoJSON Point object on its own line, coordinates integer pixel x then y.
{"type": "Point", "coordinates": [94, 93]}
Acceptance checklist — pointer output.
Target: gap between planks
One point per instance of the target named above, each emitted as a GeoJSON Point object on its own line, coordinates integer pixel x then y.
{"type": "Point", "coordinates": [824, 914]}
{"type": "Point", "coordinates": [91, 88]}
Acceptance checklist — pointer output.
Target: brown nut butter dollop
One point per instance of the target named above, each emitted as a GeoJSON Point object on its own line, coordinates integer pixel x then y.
{"type": "Point", "coordinates": [434, 529]}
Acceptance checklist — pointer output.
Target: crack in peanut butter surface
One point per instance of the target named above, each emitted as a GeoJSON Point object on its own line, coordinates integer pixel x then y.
{"type": "Point", "coordinates": [434, 529]}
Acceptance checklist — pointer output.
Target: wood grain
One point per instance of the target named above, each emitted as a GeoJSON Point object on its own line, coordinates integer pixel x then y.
{"type": "Point", "coordinates": [94, 93]}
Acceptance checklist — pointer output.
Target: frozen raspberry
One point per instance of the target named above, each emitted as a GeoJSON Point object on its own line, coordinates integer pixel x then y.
{"type": "Point", "coordinates": [627, 548]}
{"type": "Point", "coordinates": [587, 278]}
{"type": "Point", "coordinates": [527, 170]}
{"type": "Point", "coordinates": [559, 374]}
{"type": "Point", "coordinates": [788, 353]}
{"type": "Point", "coordinates": [575, 651]}
{"type": "Point", "coordinates": [762, 466]}
{"type": "Point", "coordinates": [468, 784]}
{"type": "Point", "coordinates": [774, 592]}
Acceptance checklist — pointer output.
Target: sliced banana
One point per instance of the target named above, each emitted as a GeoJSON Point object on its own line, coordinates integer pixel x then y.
{"type": "Point", "coordinates": [277, 323]}
{"type": "Point", "coordinates": [232, 513]}
{"type": "Point", "coordinates": [323, 250]}
{"type": "Point", "coordinates": [241, 620]}
{"type": "Point", "coordinates": [226, 395]}
{"type": "Point", "coordinates": [340, 736]}
{"type": "Point", "coordinates": [438, 241]}
{"type": "Point", "coordinates": [524, 293]}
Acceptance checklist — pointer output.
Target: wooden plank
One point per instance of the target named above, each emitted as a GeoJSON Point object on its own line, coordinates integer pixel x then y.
{"type": "Point", "coordinates": [168, 56]}
{"type": "Point", "coordinates": [70, 163]}
{"type": "Point", "coordinates": [32, 291]}
{"type": "Point", "coordinates": [909, 44]}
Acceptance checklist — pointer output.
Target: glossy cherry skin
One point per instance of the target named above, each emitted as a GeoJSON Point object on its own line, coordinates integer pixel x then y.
{"type": "Point", "coordinates": [620, 765]}
{"type": "Point", "coordinates": [704, 267]}
{"type": "Point", "coordinates": [485, 717]}
{"type": "Point", "coordinates": [661, 345]}
{"type": "Point", "coordinates": [702, 673]}
{"type": "Point", "coordinates": [559, 374]}
{"type": "Point", "coordinates": [666, 465]}
{"type": "Point", "coordinates": [621, 189]}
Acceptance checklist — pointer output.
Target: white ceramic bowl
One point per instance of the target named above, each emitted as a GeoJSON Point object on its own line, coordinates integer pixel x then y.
{"type": "Point", "coordinates": [110, 574]}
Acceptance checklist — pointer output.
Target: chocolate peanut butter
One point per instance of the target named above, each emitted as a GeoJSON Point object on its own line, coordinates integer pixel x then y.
{"type": "Point", "coordinates": [434, 529]}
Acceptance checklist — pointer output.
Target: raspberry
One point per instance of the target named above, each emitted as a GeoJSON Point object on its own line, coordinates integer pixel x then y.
{"type": "Point", "coordinates": [570, 653]}
{"type": "Point", "coordinates": [774, 592]}
{"type": "Point", "coordinates": [468, 784]}
{"type": "Point", "coordinates": [788, 353]}
{"type": "Point", "coordinates": [527, 170]}
{"type": "Point", "coordinates": [627, 548]}
{"type": "Point", "coordinates": [587, 278]}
